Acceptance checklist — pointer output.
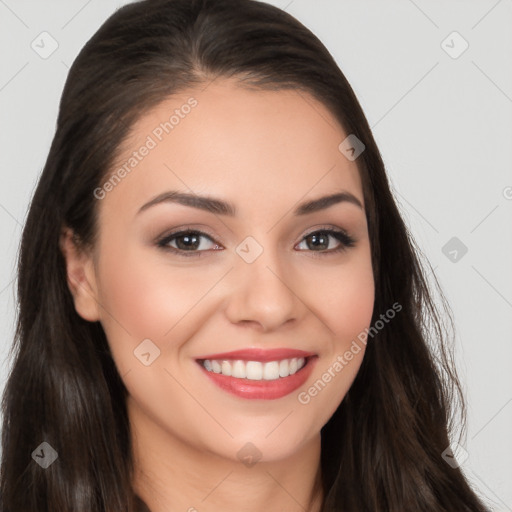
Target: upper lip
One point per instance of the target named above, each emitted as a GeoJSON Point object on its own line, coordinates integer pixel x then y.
{"type": "Point", "coordinates": [259, 354]}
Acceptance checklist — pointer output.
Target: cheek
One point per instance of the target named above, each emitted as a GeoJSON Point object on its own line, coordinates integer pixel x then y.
{"type": "Point", "coordinates": [348, 314]}
{"type": "Point", "coordinates": [147, 298]}
{"type": "Point", "coordinates": [350, 311]}
{"type": "Point", "coordinates": [347, 300]}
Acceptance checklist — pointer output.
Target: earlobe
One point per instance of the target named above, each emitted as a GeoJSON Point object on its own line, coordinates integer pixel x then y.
{"type": "Point", "coordinates": [81, 277]}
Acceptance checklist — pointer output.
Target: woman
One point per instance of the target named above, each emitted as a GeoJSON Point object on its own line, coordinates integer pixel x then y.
{"type": "Point", "coordinates": [219, 304]}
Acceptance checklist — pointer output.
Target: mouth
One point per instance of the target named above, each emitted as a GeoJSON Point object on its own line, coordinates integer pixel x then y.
{"type": "Point", "coordinates": [259, 374]}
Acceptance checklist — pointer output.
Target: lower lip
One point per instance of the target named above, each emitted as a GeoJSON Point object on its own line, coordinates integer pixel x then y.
{"type": "Point", "coordinates": [262, 389]}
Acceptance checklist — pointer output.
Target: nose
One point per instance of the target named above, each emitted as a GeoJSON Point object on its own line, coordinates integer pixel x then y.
{"type": "Point", "coordinates": [263, 293]}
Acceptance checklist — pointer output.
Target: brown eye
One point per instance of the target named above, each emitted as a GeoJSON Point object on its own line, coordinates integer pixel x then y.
{"type": "Point", "coordinates": [321, 241]}
{"type": "Point", "coordinates": [188, 241]}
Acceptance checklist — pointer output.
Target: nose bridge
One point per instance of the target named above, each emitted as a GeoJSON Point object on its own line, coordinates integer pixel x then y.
{"type": "Point", "coordinates": [261, 291]}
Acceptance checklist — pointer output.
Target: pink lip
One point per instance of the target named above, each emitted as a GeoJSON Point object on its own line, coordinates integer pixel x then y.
{"type": "Point", "coordinates": [259, 354]}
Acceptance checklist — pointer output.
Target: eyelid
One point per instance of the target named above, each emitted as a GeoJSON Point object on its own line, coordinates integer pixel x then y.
{"type": "Point", "coordinates": [187, 229]}
{"type": "Point", "coordinates": [323, 228]}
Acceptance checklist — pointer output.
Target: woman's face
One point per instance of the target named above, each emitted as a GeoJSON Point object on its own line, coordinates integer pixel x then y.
{"type": "Point", "coordinates": [262, 275]}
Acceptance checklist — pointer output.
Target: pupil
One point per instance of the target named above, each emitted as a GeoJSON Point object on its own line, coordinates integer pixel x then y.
{"type": "Point", "coordinates": [187, 239]}
{"type": "Point", "coordinates": [319, 241]}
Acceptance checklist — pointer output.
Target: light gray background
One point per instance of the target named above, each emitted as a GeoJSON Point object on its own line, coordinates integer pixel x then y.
{"type": "Point", "coordinates": [444, 127]}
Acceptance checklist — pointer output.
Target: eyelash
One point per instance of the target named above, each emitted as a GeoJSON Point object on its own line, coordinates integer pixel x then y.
{"type": "Point", "coordinates": [346, 241]}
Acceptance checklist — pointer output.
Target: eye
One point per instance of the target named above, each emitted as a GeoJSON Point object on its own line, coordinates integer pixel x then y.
{"type": "Point", "coordinates": [193, 242]}
{"type": "Point", "coordinates": [320, 241]}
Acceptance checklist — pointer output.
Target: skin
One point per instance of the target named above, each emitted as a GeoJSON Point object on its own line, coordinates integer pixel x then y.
{"type": "Point", "coordinates": [265, 152]}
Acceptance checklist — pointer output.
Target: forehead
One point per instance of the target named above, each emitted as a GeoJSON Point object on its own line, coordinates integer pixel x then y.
{"type": "Point", "coordinates": [235, 142]}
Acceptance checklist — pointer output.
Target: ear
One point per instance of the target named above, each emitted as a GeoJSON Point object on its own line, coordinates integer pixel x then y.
{"type": "Point", "coordinates": [81, 277]}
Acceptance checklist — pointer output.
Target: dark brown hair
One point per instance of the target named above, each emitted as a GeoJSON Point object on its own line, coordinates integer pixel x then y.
{"type": "Point", "coordinates": [381, 450]}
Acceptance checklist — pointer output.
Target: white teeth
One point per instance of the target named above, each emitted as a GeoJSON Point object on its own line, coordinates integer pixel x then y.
{"type": "Point", "coordinates": [271, 370]}
{"type": "Point", "coordinates": [238, 369]}
{"type": "Point", "coordinates": [216, 366]}
{"type": "Point", "coordinates": [283, 368]}
{"type": "Point", "coordinates": [226, 368]}
{"type": "Point", "coordinates": [255, 370]}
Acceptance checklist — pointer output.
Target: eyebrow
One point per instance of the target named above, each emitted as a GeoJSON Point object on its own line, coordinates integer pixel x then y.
{"type": "Point", "coordinates": [218, 206]}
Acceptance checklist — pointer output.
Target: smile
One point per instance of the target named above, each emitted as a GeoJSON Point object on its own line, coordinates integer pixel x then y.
{"type": "Point", "coordinates": [255, 370]}
{"type": "Point", "coordinates": [257, 373]}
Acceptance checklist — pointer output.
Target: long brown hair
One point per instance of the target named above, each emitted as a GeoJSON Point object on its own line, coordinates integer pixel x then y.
{"type": "Point", "coordinates": [382, 448]}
